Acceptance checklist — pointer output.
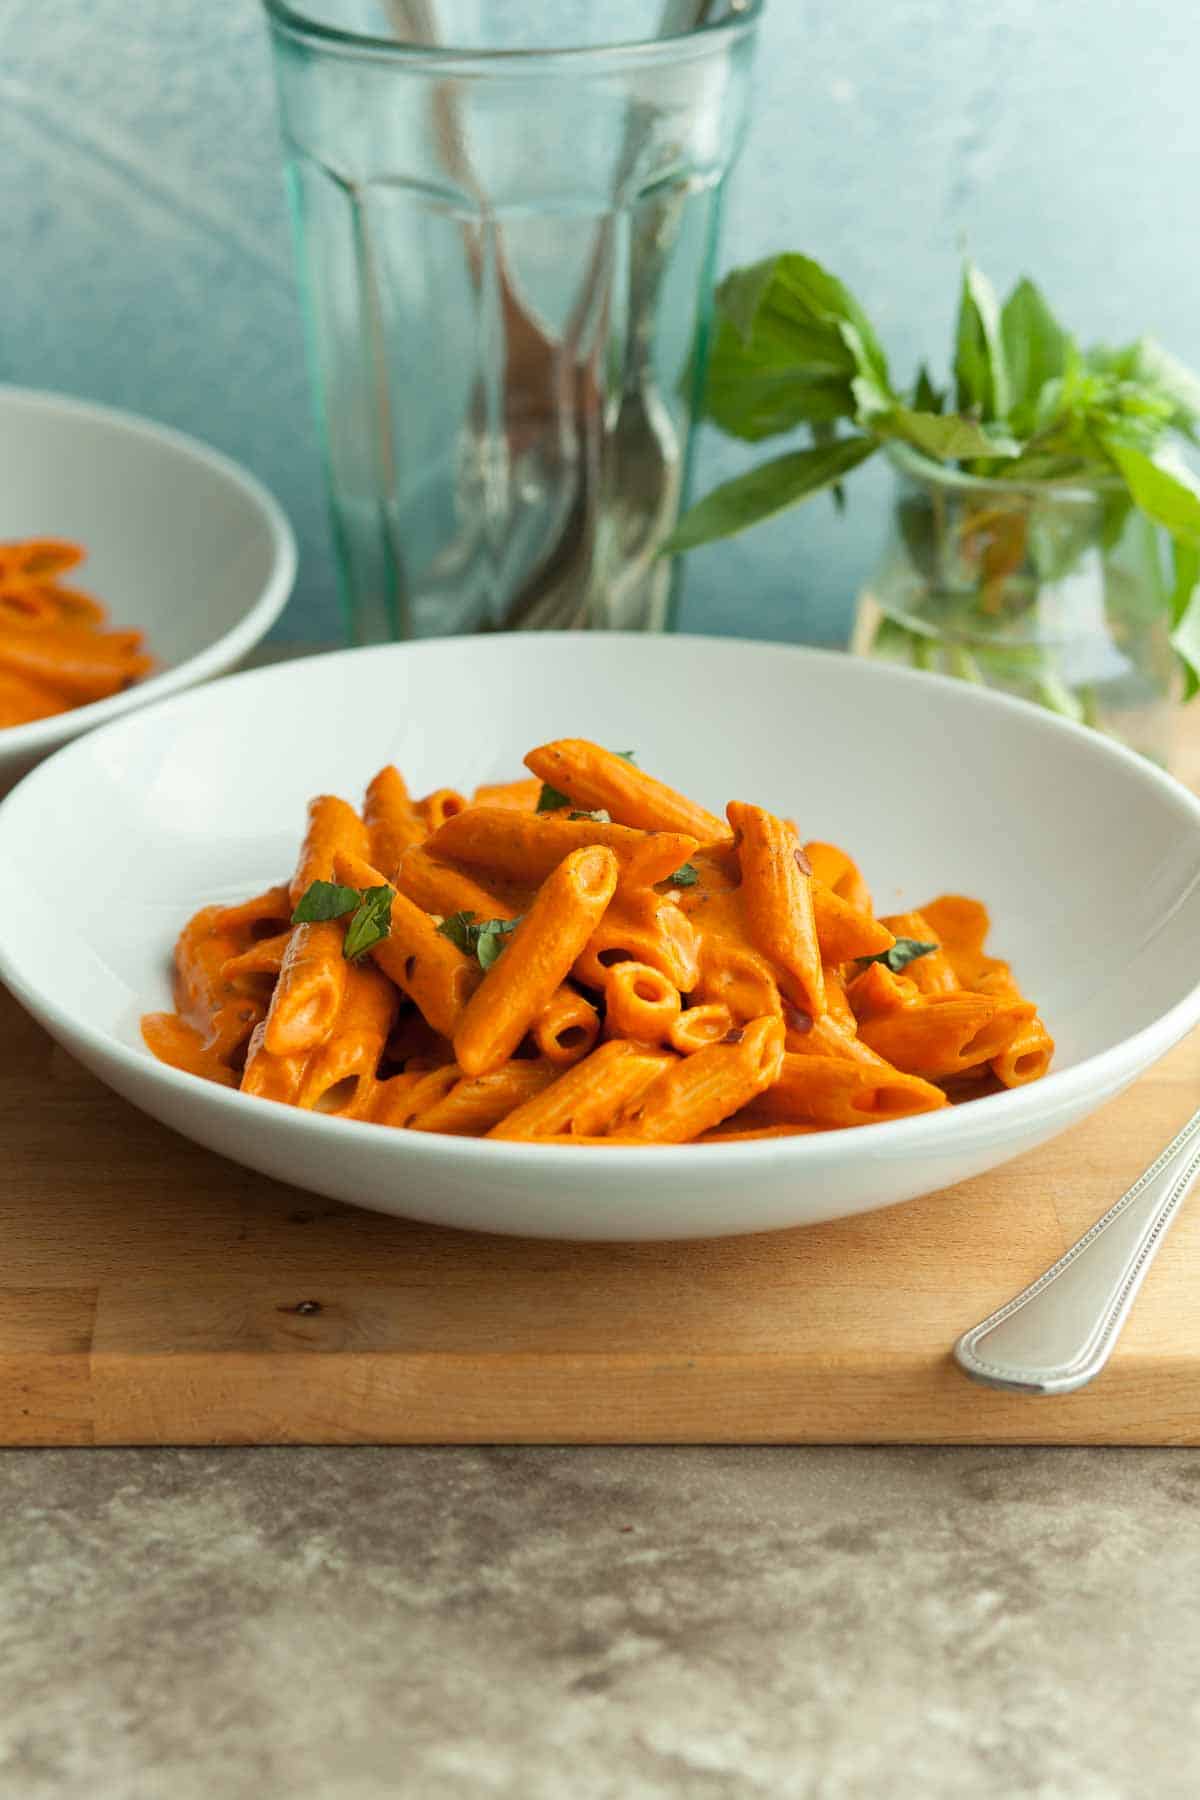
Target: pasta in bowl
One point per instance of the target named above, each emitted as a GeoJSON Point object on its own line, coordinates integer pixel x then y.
{"type": "Point", "coordinates": [588, 957]}
{"type": "Point", "coordinates": [908, 793]}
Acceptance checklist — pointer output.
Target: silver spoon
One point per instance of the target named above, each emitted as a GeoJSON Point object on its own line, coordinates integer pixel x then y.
{"type": "Point", "coordinates": [1060, 1331]}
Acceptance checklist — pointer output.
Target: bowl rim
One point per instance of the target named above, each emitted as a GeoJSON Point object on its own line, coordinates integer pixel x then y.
{"type": "Point", "coordinates": [1002, 1114]}
{"type": "Point", "coordinates": [18, 741]}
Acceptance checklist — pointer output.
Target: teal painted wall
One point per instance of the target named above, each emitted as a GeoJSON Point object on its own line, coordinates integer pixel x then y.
{"type": "Point", "coordinates": [146, 259]}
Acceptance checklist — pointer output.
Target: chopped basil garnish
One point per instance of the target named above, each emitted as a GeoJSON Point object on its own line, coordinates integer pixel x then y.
{"type": "Point", "coordinates": [484, 939]}
{"type": "Point", "coordinates": [325, 900]}
{"type": "Point", "coordinates": [370, 924]}
{"type": "Point", "coordinates": [371, 908]}
{"type": "Point", "coordinates": [626, 755]}
{"type": "Point", "coordinates": [550, 800]}
{"type": "Point", "coordinates": [686, 875]}
{"type": "Point", "coordinates": [902, 952]}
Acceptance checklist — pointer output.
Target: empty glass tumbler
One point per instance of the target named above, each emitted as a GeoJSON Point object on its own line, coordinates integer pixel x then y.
{"type": "Point", "coordinates": [506, 218]}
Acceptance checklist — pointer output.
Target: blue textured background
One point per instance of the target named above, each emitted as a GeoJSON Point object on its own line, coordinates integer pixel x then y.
{"type": "Point", "coordinates": [147, 263]}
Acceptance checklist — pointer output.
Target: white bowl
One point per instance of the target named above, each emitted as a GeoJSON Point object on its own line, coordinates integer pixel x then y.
{"type": "Point", "coordinates": [1088, 856]}
{"type": "Point", "coordinates": [180, 542]}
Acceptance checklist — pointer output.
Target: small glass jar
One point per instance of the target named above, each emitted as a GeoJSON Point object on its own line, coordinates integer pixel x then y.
{"type": "Point", "coordinates": [1049, 591]}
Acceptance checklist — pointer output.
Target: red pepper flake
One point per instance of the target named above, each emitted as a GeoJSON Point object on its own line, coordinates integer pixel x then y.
{"type": "Point", "coordinates": [796, 1019]}
{"type": "Point", "coordinates": [802, 862]}
{"type": "Point", "coordinates": [734, 1035]}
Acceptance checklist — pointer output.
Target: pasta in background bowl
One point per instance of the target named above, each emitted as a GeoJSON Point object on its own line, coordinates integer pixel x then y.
{"type": "Point", "coordinates": [1087, 857]}
{"type": "Point", "coordinates": [187, 550]}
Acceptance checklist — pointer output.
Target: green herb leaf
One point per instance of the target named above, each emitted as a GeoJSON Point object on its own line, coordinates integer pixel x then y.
{"type": "Point", "coordinates": [599, 817]}
{"type": "Point", "coordinates": [769, 489]}
{"type": "Point", "coordinates": [1035, 345]}
{"type": "Point", "coordinates": [550, 800]}
{"type": "Point", "coordinates": [980, 370]}
{"type": "Point", "coordinates": [902, 952]}
{"type": "Point", "coordinates": [325, 900]}
{"type": "Point", "coordinates": [1162, 495]}
{"type": "Point", "coordinates": [492, 936]}
{"type": "Point", "coordinates": [926, 397]}
{"type": "Point", "coordinates": [626, 755]}
{"type": "Point", "coordinates": [370, 924]}
{"type": "Point", "coordinates": [1185, 613]}
{"type": "Point", "coordinates": [791, 346]}
{"type": "Point", "coordinates": [685, 876]}
{"type": "Point", "coordinates": [483, 939]}
{"type": "Point", "coordinates": [947, 437]}
{"type": "Point", "coordinates": [461, 929]}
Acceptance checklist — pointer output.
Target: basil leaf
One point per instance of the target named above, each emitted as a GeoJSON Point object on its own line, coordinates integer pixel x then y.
{"type": "Point", "coordinates": [980, 370]}
{"type": "Point", "coordinates": [1035, 344]}
{"type": "Point", "coordinates": [1171, 377]}
{"type": "Point", "coordinates": [626, 755]}
{"type": "Point", "coordinates": [769, 489]}
{"type": "Point", "coordinates": [927, 398]}
{"type": "Point", "coordinates": [1163, 496]}
{"type": "Point", "coordinates": [781, 378]}
{"type": "Point", "coordinates": [791, 346]}
{"type": "Point", "coordinates": [902, 952]}
{"type": "Point", "coordinates": [948, 437]}
{"type": "Point", "coordinates": [1185, 612]}
{"type": "Point", "coordinates": [324, 900]}
{"type": "Point", "coordinates": [370, 924]}
{"type": "Point", "coordinates": [462, 931]}
{"type": "Point", "coordinates": [550, 800]}
{"type": "Point", "coordinates": [492, 936]}
{"type": "Point", "coordinates": [685, 876]}
{"type": "Point", "coordinates": [483, 939]}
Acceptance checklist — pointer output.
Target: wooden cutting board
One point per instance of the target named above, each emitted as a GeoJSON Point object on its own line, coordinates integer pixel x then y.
{"type": "Point", "coordinates": [152, 1293]}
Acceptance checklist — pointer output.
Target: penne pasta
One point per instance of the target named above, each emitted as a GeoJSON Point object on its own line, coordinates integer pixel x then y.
{"type": "Point", "coordinates": [640, 1002]}
{"type": "Point", "coordinates": [540, 952]}
{"type": "Point", "coordinates": [340, 1076]}
{"type": "Point", "coordinates": [445, 888]}
{"type": "Point", "coordinates": [629, 977]}
{"type": "Point", "coordinates": [932, 973]}
{"type": "Point", "coordinates": [391, 819]}
{"type": "Point", "coordinates": [777, 901]}
{"type": "Point", "coordinates": [837, 1091]}
{"type": "Point", "coordinates": [333, 826]}
{"type": "Point", "coordinates": [840, 873]}
{"type": "Point", "coordinates": [522, 796]}
{"type": "Point", "coordinates": [843, 932]}
{"type": "Point", "coordinates": [272, 1077]}
{"type": "Point", "coordinates": [584, 1101]}
{"type": "Point", "coordinates": [23, 700]}
{"type": "Point", "coordinates": [476, 1104]}
{"type": "Point", "coordinates": [423, 963]}
{"type": "Point", "coordinates": [699, 1027]}
{"type": "Point", "coordinates": [515, 847]}
{"type": "Point", "coordinates": [566, 1029]}
{"type": "Point", "coordinates": [56, 652]}
{"type": "Point", "coordinates": [595, 779]}
{"type": "Point", "coordinates": [81, 665]}
{"type": "Point", "coordinates": [642, 926]}
{"type": "Point", "coordinates": [436, 808]}
{"type": "Point", "coordinates": [1026, 1057]}
{"type": "Point", "coordinates": [310, 990]}
{"type": "Point", "coordinates": [695, 1093]}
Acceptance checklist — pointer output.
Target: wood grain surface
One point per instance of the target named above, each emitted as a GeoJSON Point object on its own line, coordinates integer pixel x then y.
{"type": "Point", "coordinates": [153, 1293]}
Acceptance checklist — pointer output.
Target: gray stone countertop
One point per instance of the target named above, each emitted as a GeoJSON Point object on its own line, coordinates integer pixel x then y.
{"type": "Point", "coordinates": [553, 1624]}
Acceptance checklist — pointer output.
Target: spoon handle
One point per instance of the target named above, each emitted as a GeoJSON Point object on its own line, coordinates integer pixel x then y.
{"type": "Point", "coordinates": [1059, 1332]}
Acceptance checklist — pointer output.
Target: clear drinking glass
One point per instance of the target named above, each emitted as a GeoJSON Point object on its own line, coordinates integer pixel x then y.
{"type": "Point", "coordinates": [506, 219]}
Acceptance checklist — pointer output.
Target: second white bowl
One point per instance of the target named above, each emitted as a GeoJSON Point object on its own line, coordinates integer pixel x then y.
{"type": "Point", "coordinates": [180, 542]}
